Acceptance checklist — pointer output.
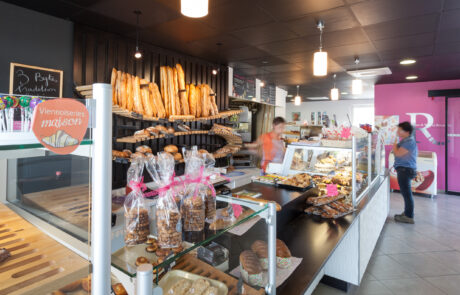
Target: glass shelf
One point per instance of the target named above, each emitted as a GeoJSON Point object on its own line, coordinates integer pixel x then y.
{"type": "Point", "coordinates": [125, 258]}
{"type": "Point", "coordinates": [34, 145]}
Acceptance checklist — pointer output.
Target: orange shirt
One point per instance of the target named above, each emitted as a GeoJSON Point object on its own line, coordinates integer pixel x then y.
{"type": "Point", "coordinates": [272, 149]}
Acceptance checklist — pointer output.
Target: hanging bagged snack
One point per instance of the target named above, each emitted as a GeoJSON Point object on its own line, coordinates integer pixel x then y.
{"type": "Point", "coordinates": [136, 211]}
{"type": "Point", "coordinates": [193, 203]}
{"type": "Point", "coordinates": [168, 217]}
{"type": "Point", "coordinates": [210, 198]}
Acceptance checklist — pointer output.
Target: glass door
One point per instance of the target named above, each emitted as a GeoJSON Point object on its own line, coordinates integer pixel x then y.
{"type": "Point", "coordinates": [453, 145]}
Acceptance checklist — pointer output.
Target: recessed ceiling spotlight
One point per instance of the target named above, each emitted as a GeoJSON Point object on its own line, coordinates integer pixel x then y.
{"type": "Point", "coordinates": [412, 77]}
{"type": "Point", "coordinates": [407, 61]}
{"type": "Point", "coordinates": [289, 95]}
{"type": "Point", "coordinates": [344, 93]}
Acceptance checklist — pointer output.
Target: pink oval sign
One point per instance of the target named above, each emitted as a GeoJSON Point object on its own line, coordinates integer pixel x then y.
{"type": "Point", "coordinates": [60, 124]}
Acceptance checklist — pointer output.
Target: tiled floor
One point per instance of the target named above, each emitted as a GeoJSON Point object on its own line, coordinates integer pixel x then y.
{"type": "Point", "coordinates": [418, 259]}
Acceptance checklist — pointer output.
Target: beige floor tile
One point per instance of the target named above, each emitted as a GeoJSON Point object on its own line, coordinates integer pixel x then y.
{"type": "Point", "coordinates": [322, 289]}
{"type": "Point", "coordinates": [416, 286]}
{"type": "Point", "coordinates": [385, 268]}
{"type": "Point", "coordinates": [372, 288]}
{"type": "Point", "coordinates": [393, 245]}
{"type": "Point", "coordinates": [449, 284]}
{"type": "Point", "coordinates": [450, 259]}
{"type": "Point", "coordinates": [422, 264]}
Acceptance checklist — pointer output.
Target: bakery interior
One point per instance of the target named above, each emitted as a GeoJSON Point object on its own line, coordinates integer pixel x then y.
{"type": "Point", "coordinates": [157, 192]}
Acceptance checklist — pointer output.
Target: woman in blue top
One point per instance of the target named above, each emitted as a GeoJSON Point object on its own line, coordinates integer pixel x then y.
{"type": "Point", "coordinates": [406, 166]}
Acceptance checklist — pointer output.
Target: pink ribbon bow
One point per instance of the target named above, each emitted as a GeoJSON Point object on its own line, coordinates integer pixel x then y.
{"type": "Point", "coordinates": [137, 186]}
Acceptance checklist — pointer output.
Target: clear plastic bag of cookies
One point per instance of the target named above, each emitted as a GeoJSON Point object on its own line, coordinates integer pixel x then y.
{"type": "Point", "coordinates": [168, 217]}
{"type": "Point", "coordinates": [210, 198]}
{"type": "Point", "coordinates": [136, 211]}
{"type": "Point", "coordinates": [193, 203]}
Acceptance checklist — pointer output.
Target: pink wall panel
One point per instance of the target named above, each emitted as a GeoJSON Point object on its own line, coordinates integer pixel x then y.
{"type": "Point", "coordinates": [411, 102]}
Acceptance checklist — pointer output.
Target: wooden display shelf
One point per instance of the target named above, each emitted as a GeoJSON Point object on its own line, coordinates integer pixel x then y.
{"type": "Point", "coordinates": [125, 113]}
{"type": "Point", "coordinates": [38, 264]}
{"type": "Point", "coordinates": [194, 265]}
{"type": "Point", "coordinates": [135, 139]}
{"type": "Point", "coordinates": [70, 203]}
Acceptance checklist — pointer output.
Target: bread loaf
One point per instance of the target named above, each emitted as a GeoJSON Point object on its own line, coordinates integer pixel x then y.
{"type": "Point", "coordinates": [250, 262]}
{"type": "Point", "coordinates": [171, 93]}
{"type": "Point", "coordinates": [130, 94]}
{"type": "Point", "coordinates": [137, 96]}
{"type": "Point", "coordinates": [192, 100]}
{"type": "Point", "coordinates": [124, 92]}
{"type": "Point", "coordinates": [180, 287]}
{"type": "Point", "coordinates": [260, 248]}
{"type": "Point", "coordinates": [172, 149]}
{"type": "Point", "coordinates": [204, 100]}
{"type": "Point", "coordinates": [213, 102]}
{"type": "Point", "coordinates": [176, 92]}
{"type": "Point", "coordinates": [182, 90]}
{"type": "Point", "coordinates": [164, 89]}
{"type": "Point", "coordinates": [119, 76]}
{"type": "Point", "coordinates": [281, 249]}
{"type": "Point", "coordinates": [146, 101]}
{"type": "Point", "coordinates": [198, 287]}
{"type": "Point", "coordinates": [113, 82]}
{"type": "Point", "coordinates": [157, 101]}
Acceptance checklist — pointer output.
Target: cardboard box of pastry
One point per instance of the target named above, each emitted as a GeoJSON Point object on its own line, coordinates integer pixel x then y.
{"type": "Point", "coordinates": [177, 277]}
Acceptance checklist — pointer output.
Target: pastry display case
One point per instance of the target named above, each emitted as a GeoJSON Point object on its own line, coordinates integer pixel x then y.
{"type": "Point", "coordinates": [352, 169]}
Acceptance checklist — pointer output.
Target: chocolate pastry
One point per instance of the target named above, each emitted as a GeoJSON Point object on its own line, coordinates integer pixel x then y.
{"type": "Point", "coordinates": [4, 254]}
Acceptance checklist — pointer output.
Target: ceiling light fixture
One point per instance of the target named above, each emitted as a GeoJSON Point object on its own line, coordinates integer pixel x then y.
{"type": "Point", "coordinates": [194, 8]}
{"type": "Point", "coordinates": [407, 61]}
{"type": "Point", "coordinates": [137, 53]}
{"type": "Point", "coordinates": [344, 93]}
{"type": "Point", "coordinates": [412, 77]}
{"type": "Point", "coordinates": [262, 81]}
{"type": "Point", "coordinates": [334, 91]}
{"type": "Point", "coordinates": [357, 84]}
{"type": "Point", "coordinates": [320, 57]}
{"type": "Point", "coordinates": [297, 99]}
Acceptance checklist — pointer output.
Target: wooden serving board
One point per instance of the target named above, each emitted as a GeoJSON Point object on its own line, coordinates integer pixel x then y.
{"type": "Point", "coordinates": [69, 203]}
{"type": "Point", "coordinates": [38, 264]}
{"type": "Point", "coordinates": [194, 265]}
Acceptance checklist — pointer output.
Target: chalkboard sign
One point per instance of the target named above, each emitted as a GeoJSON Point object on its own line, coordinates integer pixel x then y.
{"type": "Point", "coordinates": [35, 81]}
{"type": "Point", "coordinates": [268, 94]}
{"type": "Point", "coordinates": [243, 87]}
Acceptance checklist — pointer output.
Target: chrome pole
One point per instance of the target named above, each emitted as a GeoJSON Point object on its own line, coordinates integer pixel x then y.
{"type": "Point", "coordinates": [101, 190]}
{"type": "Point", "coordinates": [144, 283]}
{"type": "Point", "coordinates": [271, 221]}
{"type": "Point", "coordinates": [353, 169]}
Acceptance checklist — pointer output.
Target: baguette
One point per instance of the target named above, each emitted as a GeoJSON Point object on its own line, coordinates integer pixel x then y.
{"type": "Point", "coordinates": [199, 113]}
{"type": "Point", "coordinates": [130, 94]}
{"type": "Point", "coordinates": [204, 101]}
{"type": "Point", "coordinates": [192, 99]}
{"type": "Point", "coordinates": [164, 88]}
{"type": "Point", "coordinates": [185, 110]}
{"type": "Point", "coordinates": [213, 102]}
{"type": "Point", "coordinates": [137, 96]}
{"type": "Point", "coordinates": [123, 97]}
{"type": "Point", "coordinates": [176, 92]}
{"type": "Point", "coordinates": [158, 103]}
{"type": "Point", "coordinates": [171, 95]}
{"type": "Point", "coordinates": [113, 82]}
{"type": "Point", "coordinates": [119, 75]}
{"type": "Point", "coordinates": [146, 101]}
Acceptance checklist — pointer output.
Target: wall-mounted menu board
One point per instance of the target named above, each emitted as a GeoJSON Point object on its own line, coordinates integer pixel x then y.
{"type": "Point", "coordinates": [32, 80]}
{"type": "Point", "coordinates": [243, 87]}
{"type": "Point", "coordinates": [268, 93]}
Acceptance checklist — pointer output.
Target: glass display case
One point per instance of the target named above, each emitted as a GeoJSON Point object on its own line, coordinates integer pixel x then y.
{"type": "Point", "coordinates": [213, 253]}
{"type": "Point", "coordinates": [44, 215]}
{"type": "Point", "coordinates": [352, 167]}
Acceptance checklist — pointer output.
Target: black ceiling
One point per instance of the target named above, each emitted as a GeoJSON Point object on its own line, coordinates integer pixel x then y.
{"type": "Point", "coordinates": [283, 33]}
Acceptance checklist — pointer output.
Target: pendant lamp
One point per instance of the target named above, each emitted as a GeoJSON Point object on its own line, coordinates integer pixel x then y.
{"type": "Point", "coordinates": [334, 91]}
{"type": "Point", "coordinates": [297, 99]}
{"type": "Point", "coordinates": [194, 8]}
{"type": "Point", "coordinates": [320, 57]}
{"type": "Point", "coordinates": [357, 84]}
{"type": "Point", "coordinates": [137, 53]}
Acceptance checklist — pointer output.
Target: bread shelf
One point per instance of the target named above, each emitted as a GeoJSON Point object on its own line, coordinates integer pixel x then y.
{"type": "Point", "coordinates": [125, 113]}
{"type": "Point", "coordinates": [135, 139]}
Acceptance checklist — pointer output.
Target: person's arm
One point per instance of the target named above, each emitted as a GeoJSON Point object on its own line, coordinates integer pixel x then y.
{"type": "Point", "coordinates": [399, 151]}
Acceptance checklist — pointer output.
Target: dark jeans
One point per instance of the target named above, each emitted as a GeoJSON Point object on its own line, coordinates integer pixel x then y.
{"type": "Point", "coordinates": [405, 175]}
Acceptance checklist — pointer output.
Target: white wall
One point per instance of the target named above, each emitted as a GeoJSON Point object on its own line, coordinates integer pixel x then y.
{"type": "Point", "coordinates": [340, 108]}
{"type": "Point", "coordinates": [280, 109]}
